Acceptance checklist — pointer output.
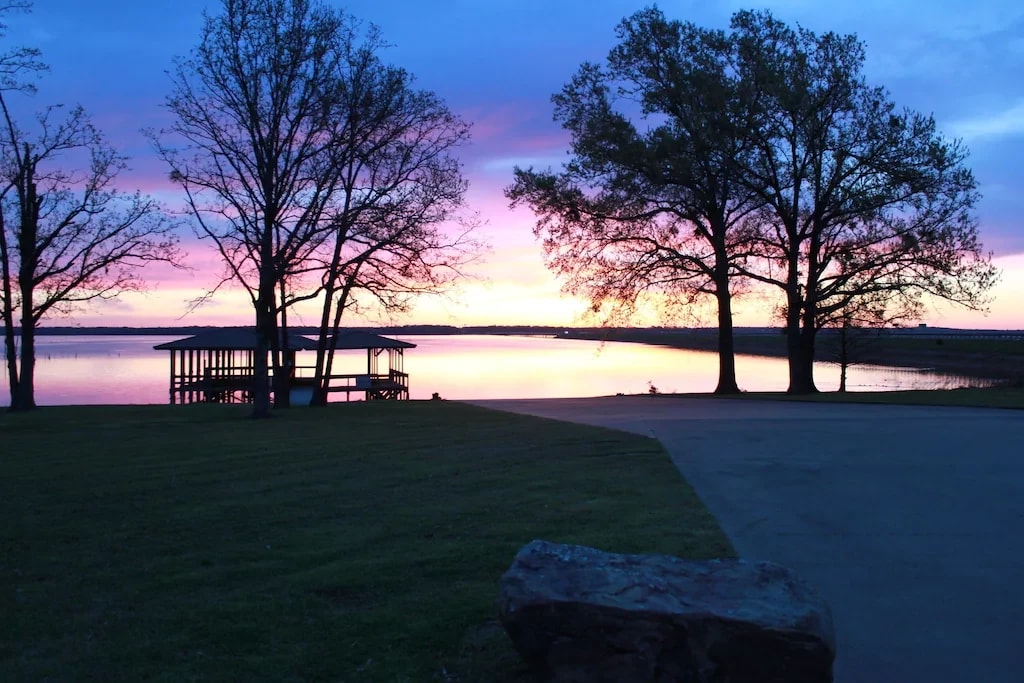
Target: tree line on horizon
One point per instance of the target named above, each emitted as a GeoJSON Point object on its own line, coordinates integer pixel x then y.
{"type": "Point", "coordinates": [319, 172]}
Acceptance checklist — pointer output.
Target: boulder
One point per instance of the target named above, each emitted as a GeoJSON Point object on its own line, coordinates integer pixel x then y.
{"type": "Point", "coordinates": [577, 614]}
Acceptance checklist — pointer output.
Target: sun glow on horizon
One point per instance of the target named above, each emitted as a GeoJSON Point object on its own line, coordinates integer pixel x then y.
{"type": "Point", "coordinates": [522, 293]}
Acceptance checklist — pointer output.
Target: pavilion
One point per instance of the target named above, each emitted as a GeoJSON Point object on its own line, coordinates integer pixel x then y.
{"type": "Point", "coordinates": [375, 383]}
{"type": "Point", "coordinates": [218, 366]}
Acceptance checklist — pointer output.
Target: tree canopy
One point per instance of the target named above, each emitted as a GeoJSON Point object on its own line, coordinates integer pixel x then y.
{"type": "Point", "coordinates": [766, 158]}
{"type": "Point", "coordinates": [659, 213]}
{"type": "Point", "coordinates": [867, 207]}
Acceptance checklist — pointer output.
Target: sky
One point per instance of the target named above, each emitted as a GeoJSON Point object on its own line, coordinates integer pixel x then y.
{"type": "Point", "coordinates": [497, 64]}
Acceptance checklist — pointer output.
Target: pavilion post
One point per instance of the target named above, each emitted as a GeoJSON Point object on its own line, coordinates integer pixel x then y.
{"type": "Point", "coordinates": [171, 385]}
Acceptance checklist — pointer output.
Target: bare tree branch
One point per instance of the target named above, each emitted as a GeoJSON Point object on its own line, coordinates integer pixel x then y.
{"type": "Point", "coordinates": [291, 138]}
{"type": "Point", "coordinates": [67, 236]}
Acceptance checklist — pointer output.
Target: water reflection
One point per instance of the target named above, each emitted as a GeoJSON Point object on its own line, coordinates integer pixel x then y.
{"type": "Point", "coordinates": [126, 370]}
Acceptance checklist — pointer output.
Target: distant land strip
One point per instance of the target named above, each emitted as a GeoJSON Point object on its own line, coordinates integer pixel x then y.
{"type": "Point", "coordinates": [986, 354]}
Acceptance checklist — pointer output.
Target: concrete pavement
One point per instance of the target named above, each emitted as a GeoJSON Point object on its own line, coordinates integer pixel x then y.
{"type": "Point", "coordinates": [909, 520]}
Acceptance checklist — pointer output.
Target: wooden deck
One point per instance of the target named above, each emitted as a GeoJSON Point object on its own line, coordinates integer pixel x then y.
{"type": "Point", "coordinates": [393, 386]}
{"type": "Point", "coordinates": [218, 366]}
{"type": "Point", "coordinates": [235, 386]}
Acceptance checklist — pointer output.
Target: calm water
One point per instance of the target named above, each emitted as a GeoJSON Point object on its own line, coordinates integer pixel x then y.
{"type": "Point", "coordinates": [119, 369]}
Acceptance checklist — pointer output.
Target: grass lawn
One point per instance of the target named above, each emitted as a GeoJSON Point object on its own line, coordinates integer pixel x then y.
{"type": "Point", "coordinates": [360, 542]}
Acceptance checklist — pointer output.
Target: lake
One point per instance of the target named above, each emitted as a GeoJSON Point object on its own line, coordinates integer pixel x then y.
{"type": "Point", "coordinates": [127, 370]}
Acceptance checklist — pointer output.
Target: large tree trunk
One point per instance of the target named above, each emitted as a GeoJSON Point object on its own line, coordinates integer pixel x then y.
{"type": "Point", "coordinates": [261, 370]}
{"type": "Point", "coordinates": [324, 339]}
{"type": "Point", "coordinates": [800, 355]}
{"type": "Point", "coordinates": [801, 312]}
{"type": "Point", "coordinates": [802, 380]}
{"type": "Point", "coordinates": [726, 342]}
{"type": "Point", "coordinates": [332, 335]}
{"type": "Point", "coordinates": [266, 330]}
{"type": "Point", "coordinates": [282, 360]}
{"type": "Point", "coordinates": [329, 330]}
{"type": "Point", "coordinates": [11, 349]}
{"type": "Point", "coordinates": [24, 397]}
{"type": "Point", "coordinates": [802, 362]}
{"type": "Point", "coordinates": [26, 394]}
{"type": "Point", "coordinates": [325, 346]}
{"type": "Point", "coordinates": [794, 303]}
{"type": "Point", "coordinates": [10, 343]}
{"type": "Point", "coordinates": [324, 351]}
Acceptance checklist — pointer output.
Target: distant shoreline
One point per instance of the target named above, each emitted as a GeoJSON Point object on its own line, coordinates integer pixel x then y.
{"type": "Point", "coordinates": [985, 354]}
{"type": "Point", "coordinates": [980, 354]}
{"type": "Point", "coordinates": [648, 333]}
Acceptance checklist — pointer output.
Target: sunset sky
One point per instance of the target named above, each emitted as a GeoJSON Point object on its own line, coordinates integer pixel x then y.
{"type": "Point", "coordinates": [497, 64]}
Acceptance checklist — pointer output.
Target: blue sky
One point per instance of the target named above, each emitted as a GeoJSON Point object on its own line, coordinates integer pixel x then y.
{"type": "Point", "coordinates": [497, 63]}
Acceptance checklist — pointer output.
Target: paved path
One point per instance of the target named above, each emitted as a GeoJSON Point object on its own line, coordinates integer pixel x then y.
{"type": "Point", "coordinates": [909, 520]}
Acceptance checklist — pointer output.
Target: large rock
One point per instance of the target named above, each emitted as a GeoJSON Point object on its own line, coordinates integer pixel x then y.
{"type": "Point", "coordinates": [579, 614]}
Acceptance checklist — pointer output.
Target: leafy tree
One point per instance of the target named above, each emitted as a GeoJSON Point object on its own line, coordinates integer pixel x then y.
{"type": "Point", "coordinates": [769, 156]}
{"type": "Point", "coordinates": [299, 152]}
{"type": "Point", "coordinates": [67, 236]}
{"type": "Point", "coordinates": [661, 213]}
{"type": "Point", "coordinates": [865, 207]}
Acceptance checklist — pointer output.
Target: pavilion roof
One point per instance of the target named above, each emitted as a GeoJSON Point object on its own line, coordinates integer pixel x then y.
{"type": "Point", "coordinates": [231, 339]}
{"type": "Point", "coordinates": [358, 339]}
{"type": "Point", "coordinates": [242, 339]}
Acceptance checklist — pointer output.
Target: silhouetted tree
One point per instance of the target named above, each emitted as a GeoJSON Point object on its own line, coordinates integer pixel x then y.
{"type": "Point", "coordinates": [253, 105]}
{"type": "Point", "coordinates": [395, 225]}
{"type": "Point", "coordinates": [67, 236]}
{"type": "Point", "coordinates": [862, 201]}
{"type": "Point", "coordinates": [659, 212]}
{"type": "Point", "coordinates": [18, 65]}
{"type": "Point", "coordinates": [850, 339]}
{"type": "Point", "coordinates": [297, 144]}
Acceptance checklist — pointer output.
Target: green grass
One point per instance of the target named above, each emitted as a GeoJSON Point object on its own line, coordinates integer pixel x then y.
{"type": "Point", "coordinates": [360, 542]}
{"type": "Point", "coordinates": [953, 344]}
